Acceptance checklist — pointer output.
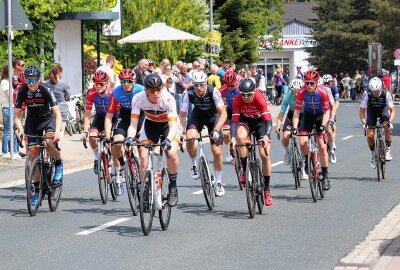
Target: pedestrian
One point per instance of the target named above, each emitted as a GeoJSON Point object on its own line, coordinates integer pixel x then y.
{"type": "Point", "coordinates": [61, 92]}
{"type": "Point", "coordinates": [255, 75]}
{"type": "Point", "coordinates": [108, 68]}
{"type": "Point", "coordinates": [140, 70]}
{"type": "Point", "coordinates": [346, 81]}
{"type": "Point", "coordinates": [278, 81]}
{"type": "Point", "coordinates": [299, 74]}
{"type": "Point", "coordinates": [7, 110]}
{"type": "Point", "coordinates": [167, 74]}
{"type": "Point", "coordinates": [18, 67]}
{"type": "Point", "coordinates": [214, 79]}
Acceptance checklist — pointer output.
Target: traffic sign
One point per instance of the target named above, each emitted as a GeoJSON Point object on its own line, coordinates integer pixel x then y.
{"type": "Point", "coordinates": [19, 20]}
{"type": "Point", "coordinates": [397, 54]}
{"type": "Point", "coordinates": [397, 62]}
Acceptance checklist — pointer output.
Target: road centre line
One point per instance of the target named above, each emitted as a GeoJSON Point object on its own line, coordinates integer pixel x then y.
{"type": "Point", "coordinates": [277, 163]}
{"type": "Point", "coordinates": [104, 226]}
{"type": "Point", "coordinates": [347, 137]}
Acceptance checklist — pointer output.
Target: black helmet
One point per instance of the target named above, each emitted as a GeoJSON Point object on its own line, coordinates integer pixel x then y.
{"type": "Point", "coordinates": [32, 71]}
{"type": "Point", "coordinates": [152, 81]}
{"type": "Point", "coordinates": [247, 86]}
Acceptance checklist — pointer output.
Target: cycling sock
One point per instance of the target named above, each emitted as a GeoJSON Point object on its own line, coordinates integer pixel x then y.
{"type": "Point", "coordinates": [244, 161]}
{"type": "Point", "coordinates": [117, 176]}
{"type": "Point", "coordinates": [172, 179]}
{"type": "Point", "coordinates": [324, 172]}
{"type": "Point", "coordinates": [388, 144]}
{"type": "Point", "coordinates": [194, 161]}
{"type": "Point", "coordinates": [96, 153]}
{"type": "Point", "coordinates": [218, 176]}
{"type": "Point", "coordinates": [372, 147]}
{"type": "Point", "coordinates": [267, 179]}
{"type": "Point", "coordinates": [286, 149]}
{"type": "Point", "coordinates": [121, 161]}
{"type": "Point", "coordinates": [36, 185]}
{"type": "Point", "coordinates": [58, 162]}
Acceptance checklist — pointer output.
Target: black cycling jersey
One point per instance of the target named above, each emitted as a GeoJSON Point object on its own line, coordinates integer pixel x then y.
{"type": "Point", "coordinates": [377, 103]}
{"type": "Point", "coordinates": [205, 103]}
{"type": "Point", "coordinates": [38, 103]}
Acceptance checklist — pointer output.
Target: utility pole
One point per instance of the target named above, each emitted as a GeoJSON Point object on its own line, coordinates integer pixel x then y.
{"type": "Point", "coordinates": [211, 25]}
{"type": "Point", "coordinates": [10, 37]}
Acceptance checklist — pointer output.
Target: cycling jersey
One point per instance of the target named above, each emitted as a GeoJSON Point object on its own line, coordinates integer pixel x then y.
{"type": "Point", "coordinates": [228, 95]}
{"type": "Point", "coordinates": [207, 104]}
{"type": "Point", "coordinates": [315, 103]}
{"type": "Point", "coordinates": [290, 100]}
{"type": "Point", "coordinates": [163, 111]}
{"type": "Point", "coordinates": [335, 92]}
{"type": "Point", "coordinates": [124, 99]}
{"type": "Point", "coordinates": [39, 104]}
{"type": "Point", "coordinates": [256, 109]}
{"type": "Point", "coordinates": [370, 102]}
{"type": "Point", "coordinates": [101, 104]}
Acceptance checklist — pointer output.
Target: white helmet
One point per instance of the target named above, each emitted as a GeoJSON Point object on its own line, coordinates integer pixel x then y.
{"type": "Point", "coordinates": [375, 84]}
{"type": "Point", "coordinates": [320, 81]}
{"type": "Point", "coordinates": [296, 84]}
{"type": "Point", "coordinates": [199, 77]}
{"type": "Point", "coordinates": [327, 78]}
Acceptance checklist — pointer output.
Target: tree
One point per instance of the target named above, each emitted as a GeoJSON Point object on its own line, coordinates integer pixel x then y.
{"type": "Point", "coordinates": [241, 22]}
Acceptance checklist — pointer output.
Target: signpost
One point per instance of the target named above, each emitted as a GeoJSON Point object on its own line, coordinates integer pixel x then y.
{"type": "Point", "coordinates": [114, 28]}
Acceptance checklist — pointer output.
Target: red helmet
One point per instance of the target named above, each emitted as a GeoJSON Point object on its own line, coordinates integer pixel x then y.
{"type": "Point", "coordinates": [21, 78]}
{"type": "Point", "coordinates": [127, 74]}
{"type": "Point", "coordinates": [100, 76]}
{"type": "Point", "coordinates": [311, 75]}
{"type": "Point", "coordinates": [230, 77]}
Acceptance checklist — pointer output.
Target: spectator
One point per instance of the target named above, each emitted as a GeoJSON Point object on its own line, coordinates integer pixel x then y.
{"type": "Point", "coordinates": [18, 67]}
{"type": "Point", "coordinates": [263, 85]}
{"type": "Point", "coordinates": [214, 79]}
{"type": "Point", "coordinates": [169, 86]}
{"type": "Point", "coordinates": [387, 82]}
{"type": "Point", "coordinates": [364, 81]}
{"type": "Point", "coordinates": [140, 70]}
{"type": "Point", "coordinates": [357, 78]}
{"type": "Point", "coordinates": [346, 81]}
{"type": "Point", "coordinates": [61, 92]}
{"type": "Point", "coordinates": [255, 75]}
{"type": "Point", "coordinates": [183, 83]}
{"type": "Point", "coordinates": [249, 75]}
{"type": "Point", "coordinates": [7, 114]}
{"type": "Point", "coordinates": [108, 68]}
{"type": "Point", "coordinates": [224, 68]}
{"type": "Point", "coordinates": [150, 67]}
{"type": "Point", "coordinates": [241, 74]}
{"type": "Point", "coordinates": [278, 81]}
{"type": "Point", "coordinates": [299, 74]}
{"type": "Point", "coordinates": [167, 74]}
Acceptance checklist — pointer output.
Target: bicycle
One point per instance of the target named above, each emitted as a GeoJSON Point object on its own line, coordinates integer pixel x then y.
{"type": "Point", "coordinates": [70, 124]}
{"type": "Point", "coordinates": [380, 150]}
{"type": "Point", "coordinates": [106, 171]}
{"type": "Point", "coordinates": [237, 165]}
{"type": "Point", "coordinates": [43, 165]}
{"type": "Point", "coordinates": [269, 94]}
{"type": "Point", "coordinates": [206, 173]}
{"type": "Point", "coordinates": [154, 191]}
{"type": "Point", "coordinates": [254, 177]}
{"type": "Point", "coordinates": [79, 111]}
{"type": "Point", "coordinates": [132, 179]}
{"type": "Point", "coordinates": [296, 161]}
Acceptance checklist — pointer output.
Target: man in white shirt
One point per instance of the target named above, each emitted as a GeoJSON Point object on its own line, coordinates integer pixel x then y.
{"type": "Point", "coordinates": [108, 68]}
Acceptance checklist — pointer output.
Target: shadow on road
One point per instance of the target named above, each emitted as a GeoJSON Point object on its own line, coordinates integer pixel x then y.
{"type": "Point", "coordinates": [126, 231]}
{"type": "Point", "coordinates": [355, 178]}
{"type": "Point", "coordinates": [201, 209]}
{"type": "Point", "coordinates": [295, 199]}
{"type": "Point", "coordinates": [107, 212]}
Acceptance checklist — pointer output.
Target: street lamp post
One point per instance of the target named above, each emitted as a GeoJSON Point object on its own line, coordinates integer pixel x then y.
{"type": "Point", "coordinates": [10, 37]}
{"type": "Point", "coordinates": [211, 25]}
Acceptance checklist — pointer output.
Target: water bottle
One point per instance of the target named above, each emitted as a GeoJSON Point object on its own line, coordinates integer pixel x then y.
{"type": "Point", "coordinates": [157, 190]}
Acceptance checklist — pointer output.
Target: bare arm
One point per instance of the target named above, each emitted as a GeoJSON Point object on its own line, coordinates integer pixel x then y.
{"type": "Point", "coordinates": [108, 125]}
{"type": "Point", "coordinates": [132, 130]}
{"type": "Point", "coordinates": [86, 121]}
{"type": "Point", "coordinates": [221, 119]}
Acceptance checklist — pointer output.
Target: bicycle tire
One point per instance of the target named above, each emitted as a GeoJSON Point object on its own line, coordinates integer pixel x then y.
{"type": "Point", "coordinates": [102, 178]}
{"type": "Point", "coordinates": [146, 203]}
{"type": "Point", "coordinates": [260, 188]}
{"type": "Point", "coordinates": [312, 176]}
{"type": "Point", "coordinates": [378, 157]}
{"type": "Point", "coordinates": [68, 128]}
{"type": "Point", "coordinates": [78, 121]}
{"type": "Point", "coordinates": [250, 189]}
{"type": "Point", "coordinates": [383, 158]}
{"type": "Point", "coordinates": [27, 167]}
{"type": "Point", "coordinates": [298, 166]}
{"type": "Point", "coordinates": [165, 213]}
{"type": "Point", "coordinates": [30, 192]}
{"type": "Point", "coordinates": [113, 190]}
{"type": "Point", "coordinates": [321, 189]}
{"type": "Point", "coordinates": [206, 183]}
{"type": "Point", "coordinates": [383, 169]}
{"type": "Point", "coordinates": [294, 165]}
{"type": "Point", "coordinates": [132, 173]}
{"type": "Point", "coordinates": [54, 193]}
{"type": "Point", "coordinates": [238, 168]}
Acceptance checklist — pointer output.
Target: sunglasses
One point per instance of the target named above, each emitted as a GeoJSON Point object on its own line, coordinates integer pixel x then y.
{"type": "Point", "coordinates": [123, 82]}
{"type": "Point", "coordinates": [100, 84]}
{"type": "Point", "coordinates": [31, 81]}
{"type": "Point", "coordinates": [310, 83]}
{"type": "Point", "coordinates": [199, 85]}
{"type": "Point", "coordinates": [21, 65]}
{"type": "Point", "coordinates": [196, 66]}
{"type": "Point", "coordinates": [327, 83]}
{"type": "Point", "coordinates": [232, 85]}
{"type": "Point", "coordinates": [154, 90]}
{"type": "Point", "coordinates": [246, 94]}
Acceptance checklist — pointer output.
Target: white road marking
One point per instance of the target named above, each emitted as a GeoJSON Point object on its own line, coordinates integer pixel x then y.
{"type": "Point", "coordinates": [197, 192]}
{"type": "Point", "coordinates": [104, 226]}
{"type": "Point", "coordinates": [277, 163]}
{"type": "Point", "coordinates": [347, 137]}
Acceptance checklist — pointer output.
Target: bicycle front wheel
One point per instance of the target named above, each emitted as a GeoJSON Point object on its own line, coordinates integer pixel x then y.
{"type": "Point", "coordinates": [238, 168]}
{"type": "Point", "coordinates": [55, 190]}
{"type": "Point", "coordinates": [146, 203]}
{"type": "Point", "coordinates": [260, 188]}
{"type": "Point", "coordinates": [312, 175]}
{"type": "Point", "coordinates": [34, 172]}
{"type": "Point", "coordinates": [165, 212]}
{"type": "Point", "coordinates": [251, 188]}
{"type": "Point", "coordinates": [132, 178]}
{"type": "Point", "coordinates": [378, 159]}
{"type": "Point", "coordinates": [206, 183]}
{"type": "Point", "coordinates": [102, 178]}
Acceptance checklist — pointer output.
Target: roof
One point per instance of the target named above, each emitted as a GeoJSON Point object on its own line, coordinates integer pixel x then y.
{"type": "Point", "coordinates": [301, 12]}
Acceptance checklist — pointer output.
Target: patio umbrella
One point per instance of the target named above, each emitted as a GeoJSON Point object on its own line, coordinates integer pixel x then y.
{"type": "Point", "coordinates": [158, 32]}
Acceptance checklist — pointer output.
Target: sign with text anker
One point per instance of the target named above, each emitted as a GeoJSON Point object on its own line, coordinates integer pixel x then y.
{"type": "Point", "coordinates": [397, 54]}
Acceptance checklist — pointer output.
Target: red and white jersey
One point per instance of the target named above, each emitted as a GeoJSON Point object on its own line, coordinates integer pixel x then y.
{"type": "Point", "coordinates": [256, 109]}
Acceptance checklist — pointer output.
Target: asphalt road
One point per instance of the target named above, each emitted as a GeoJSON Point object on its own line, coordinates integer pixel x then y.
{"type": "Point", "coordinates": [294, 233]}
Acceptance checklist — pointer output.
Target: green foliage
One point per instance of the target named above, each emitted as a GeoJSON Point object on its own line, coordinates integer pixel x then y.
{"type": "Point", "coordinates": [242, 22]}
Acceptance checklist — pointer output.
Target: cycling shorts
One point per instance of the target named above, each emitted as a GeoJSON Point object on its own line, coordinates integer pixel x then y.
{"type": "Point", "coordinates": [97, 126]}
{"type": "Point", "coordinates": [309, 120]}
{"type": "Point", "coordinates": [288, 124]}
{"type": "Point", "coordinates": [373, 115]}
{"type": "Point", "coordinates": [256, 125]}
{"type": "Point", "coordinates": [46, 128]}
{"type": "Point", "coordinates": [198, 121]}
{"type": "Point", "coordinates": [153, 131]}
{"type": "Point", "coordinates": [123, 123]}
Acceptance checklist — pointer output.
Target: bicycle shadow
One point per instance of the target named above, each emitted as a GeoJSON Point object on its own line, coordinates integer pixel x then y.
{"type": "Point", "coordinates": [113, 212]}
{"type": "Point", "coordinates": [83, 201]}
{"type": "Point", "coordinates": [355, 178]}
{"type": "Point", "coordinates": [22, 212]}
{"type": "Point", "coordinates": [305, 199]}
{"type": "Point", "coordinates": [126, 231]}
{"type": "Point", "coordinates": [201, 209]}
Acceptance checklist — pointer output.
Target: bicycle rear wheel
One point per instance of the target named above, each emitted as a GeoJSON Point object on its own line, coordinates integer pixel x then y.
{"type": "Point", "coordinates": [132, 178]}
{"type": "Point", "coordinates": [55, 190]}
{"type": "Point", "coordinates": [298, 167]}
{"type": "Point", "coordinates": [113, 190]}
{"type": "Point", "coordinates": [165, 213]}
{"type": "Point", "coordinates": [35, 170]}
{"type": "Point", "coordinates": [146, 203]}
{"type": "Point", "coordinates": [238, 168]}
{"type": "Point", "coordinates": [251, 189]}
{"type": "Point", "coordinates": [102, 178]}
{"type": "Point", "coordinates": [260, 188]}
{"type": "Point", "coordinates": [312, 175]}
{"type": "Point", "coordinates": [378, 158]}
{"type": "Point", "coordinates": [206, 183]}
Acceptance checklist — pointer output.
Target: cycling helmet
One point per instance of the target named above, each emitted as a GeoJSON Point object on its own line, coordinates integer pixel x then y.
{"type": "Point", "coordinates": [247, 86]}
{"type": "Point", "coordinates": [32, 71]}
{"type": "Point", "coordinates": [230, 77]}
{"type": "Point", "coordinates": [199, 77]}
{"type": "Point", "coordinates": [327, 78]}
{"type": "Point", "coordinates": [375, 84]}
{"type": "Point", "coordinates": [100, 76]}
{"type": "Point", "coordinates": [311, 75]}
{"type": "Point", "coordinates": [127, 74]}
{"type": "Point", "coordinates": [296, 84]}
{"type": "Point", "coordinates": [21, 78]}
{"type": "Point", "coordinates": [152, 81]}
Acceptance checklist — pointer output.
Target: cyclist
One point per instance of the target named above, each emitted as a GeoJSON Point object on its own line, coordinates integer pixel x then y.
{"type": "Point", "coordinates": [290, 100]}
{"type": "Point", "coordinates": [43, 117]}
{"type": "Point", "coordinates": [377, 102]}
{"type": "Point", "coordinates": [209, 111]}
{"type": "Point", "coordinates": [333, 92]}
{"type": "Point", "coordinates": [161, 120]}
{"type": "Point", "coordinates": [250, 114]}
{"type": "Point", "coordinates": [99, 95]}
{"type": "Point", "coordinates": [121, 98]}
{"type": "Point", "coordinates": [316, 112]}
{"type": "Point", "coordinates": [228, 92]}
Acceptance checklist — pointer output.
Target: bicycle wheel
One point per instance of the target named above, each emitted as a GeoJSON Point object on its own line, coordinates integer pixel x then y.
{"type": "Point", "coordinates": [251, 189]}
{"type": "Point", "coordinates": [260, 188]}
{"type": "Point", "coordinates": [383, 158]}
{"type": "Point", "coordinates": [294, 165]}
{"type": "Point", "coordinates": [238, 168]}
{"type": "Point", "coordinates": [113, 190]}
{"type": "Point", "coordinates": [298, 166]}
{"type": "Point", "coordinates": [54, 194]}
{"type": "Point", "coordinates": [146, 203]}
{"type": "Point", "coordinates": [28, 164]}
{"type": "Point", "coordinates": [165, 213]}
{"type": "Point", "coordinates": [378, 158]}
{"type": "Point", "coordinates": [35, 171]}
{"type": "Point", "coordinates": [206, 184]}
{"type": "Point", "coordinates": [102, 178]}
{"type": "Point", "coordinates": [312, 167]}
{"type": "Point", "coordinates": [68, 128]}
{"type": "Point", "coordinates": [132, 178]}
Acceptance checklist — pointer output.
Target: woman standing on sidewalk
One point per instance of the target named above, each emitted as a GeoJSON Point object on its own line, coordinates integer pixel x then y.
{"type": "Point", "coordinates": [61, 92]}
{"type": "Point", "coordinates": [7, 113]}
